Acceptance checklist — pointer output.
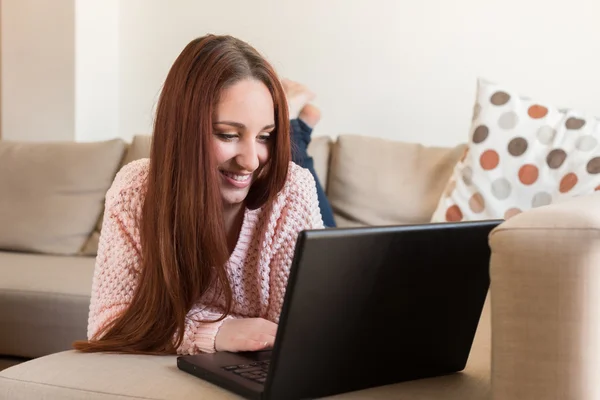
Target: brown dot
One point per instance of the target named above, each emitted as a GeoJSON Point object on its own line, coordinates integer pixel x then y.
{"type": "Point", "coordinates": [574, 123]}
{"type": "Point", "coordinates": [511, 213]}
{"type": "Point", "coordinates": [597, 188]}
{"type": "Point", "coordinates": [453, 214]}
{"type": "Point", "coordinates": [528, 174]}
{"type": "Point", "coordinates": [477, 203]}
{"type": "Point", "coordinates": [500, 98]}
{"type": "Point", "coordinates": [593, 166]}
{"type": "Point", "coordinates": [556, 158]}
{"type": "Point", "coordinates": [537, 111]}
{"type": "Point", "coordinates": [489, 160]}
{"type": "Point", "coordinates": [517, 146]}
{"type": "Point", "coordinates": [567, 182]}
{"type": "Point", "coordinates": [480, 134]}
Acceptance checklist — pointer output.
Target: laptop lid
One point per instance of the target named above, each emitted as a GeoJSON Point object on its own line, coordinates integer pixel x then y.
{"type": "Point", "coordinates": [379, 305]}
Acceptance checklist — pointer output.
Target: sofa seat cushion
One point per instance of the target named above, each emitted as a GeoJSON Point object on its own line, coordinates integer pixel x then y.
{"type": "Point", "coordinates": [72, 375]}
{"type": "Point", "coordinates": [43, 295]}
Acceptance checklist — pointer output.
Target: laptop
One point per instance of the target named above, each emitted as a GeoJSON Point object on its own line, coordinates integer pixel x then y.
{"type": "Point", "coordinates": [366, 307]}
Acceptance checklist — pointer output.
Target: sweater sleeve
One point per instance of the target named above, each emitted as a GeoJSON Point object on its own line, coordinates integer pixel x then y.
{"type": "Point", "coordinates": [301, 210]}
{"type": "Point", "coordinates": [117, 270]}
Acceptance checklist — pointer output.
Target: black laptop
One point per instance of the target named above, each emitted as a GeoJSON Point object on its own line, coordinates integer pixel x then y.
{"type": "Point", "coordinates": [366, 307]}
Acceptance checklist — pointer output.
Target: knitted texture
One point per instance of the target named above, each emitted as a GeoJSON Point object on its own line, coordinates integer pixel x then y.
{"type": "Point", "coordinates": [258, 268]}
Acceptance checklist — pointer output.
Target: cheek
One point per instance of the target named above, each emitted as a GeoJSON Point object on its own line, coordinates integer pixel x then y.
{"type": "Point", "coordinates": [222, 152]}
{"type": "Point", "coordinates": [264, 152]}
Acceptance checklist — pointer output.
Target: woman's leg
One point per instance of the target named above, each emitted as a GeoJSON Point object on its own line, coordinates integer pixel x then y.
{"type": "Point", "coordinates": [303, 118]}
{"type": "Point", "coordinates": [301, 131]}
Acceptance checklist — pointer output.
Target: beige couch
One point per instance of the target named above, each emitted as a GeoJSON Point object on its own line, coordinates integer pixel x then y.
{"type": "Point", "coordinates": [543, 282]}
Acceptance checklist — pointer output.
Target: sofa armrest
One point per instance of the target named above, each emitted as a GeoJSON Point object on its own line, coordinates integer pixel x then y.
{"type": "Point", "coordinates": [545, 294]}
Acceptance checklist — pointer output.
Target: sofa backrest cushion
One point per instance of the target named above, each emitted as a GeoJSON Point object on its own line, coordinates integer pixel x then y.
{"type": "Point", "coordinates": [139, 148]}
{"type": "Point", "coordinates": [320, 150]}
{"type": "Point", "coordinates": [52, 193]}
{"type": "Point", "coordinates": [376, 181]}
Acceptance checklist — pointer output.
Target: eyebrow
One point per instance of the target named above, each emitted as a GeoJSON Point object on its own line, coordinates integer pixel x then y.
{"type": "Point", "coordinates": [241, 126]}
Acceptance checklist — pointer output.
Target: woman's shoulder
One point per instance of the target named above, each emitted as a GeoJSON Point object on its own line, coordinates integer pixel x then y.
{"type": "Point", "coordinates": [299, 180]}
{"type": "Point", "coordinates": [296, 204]}
{"type": "Point", "coordinates": [129, 183]}
{"type": "Point", "coordinates": [299, 189]}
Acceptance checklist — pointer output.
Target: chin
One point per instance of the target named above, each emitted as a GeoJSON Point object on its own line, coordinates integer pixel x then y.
{"type": "Point", "coordinates": [230, 199]}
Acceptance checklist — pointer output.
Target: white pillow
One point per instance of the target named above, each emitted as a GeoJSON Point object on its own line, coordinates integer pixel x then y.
{"type": "Point", "coordinates": [521, 154]}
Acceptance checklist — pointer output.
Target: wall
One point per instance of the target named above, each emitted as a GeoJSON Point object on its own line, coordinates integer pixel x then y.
{"type": "Point", "coordinates": [0, 69]}
{"type": "Point", "coordinates": [92, 70]}
{"type": "Point", "coordinates": [96, 69]}
{"type": "Point", "coordinates": [38, 93]}
{"type": "Point", "coordinates": [397, 69]}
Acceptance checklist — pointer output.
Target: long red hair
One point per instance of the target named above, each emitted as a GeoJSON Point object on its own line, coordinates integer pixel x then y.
{"type": "Point", "coordinates": [182, 233]}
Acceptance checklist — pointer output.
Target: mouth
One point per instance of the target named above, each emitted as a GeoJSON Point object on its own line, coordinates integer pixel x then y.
{"type": "Point", "coordinates": [237, 180]}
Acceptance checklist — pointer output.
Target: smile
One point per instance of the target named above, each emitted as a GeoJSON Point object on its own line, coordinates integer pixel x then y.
{"type": "Point", "coordinates": [237, 180]}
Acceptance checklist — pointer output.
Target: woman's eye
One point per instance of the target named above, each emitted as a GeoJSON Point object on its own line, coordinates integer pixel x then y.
{"type": "Point", "coordinates": [264, 138]}
{"type": "Point", "coordinates": [226, 136]}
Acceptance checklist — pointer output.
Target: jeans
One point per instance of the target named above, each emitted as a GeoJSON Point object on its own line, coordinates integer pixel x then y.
{"type": "Point", "coordinates": [300, 138]}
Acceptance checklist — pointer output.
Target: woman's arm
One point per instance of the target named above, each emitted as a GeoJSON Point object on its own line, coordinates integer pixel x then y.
{"type": "Point", "coordinates": [302, 213]}
{"type": "Point", "coordinates": [117, 274]}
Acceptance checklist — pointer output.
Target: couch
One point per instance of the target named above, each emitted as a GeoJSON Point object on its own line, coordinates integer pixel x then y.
{"type": "Point", "coordinates": [536, 326]}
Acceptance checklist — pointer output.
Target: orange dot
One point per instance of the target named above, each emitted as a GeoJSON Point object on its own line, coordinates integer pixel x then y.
{"type": "Point", "coordinates": [568, 182]}
{"type": "Point", "coordinates": [453, 214]}
{"type": "Point", "coordinates": [489, 160]}
{"type": "Point", "coordinates": [528, 174]}
{"type": "Point", "coordinates": [511, 213]}
{"type": "Point", "coordinates": [537, 111]}
{"type": "Point", "coordinates": [597, 188]}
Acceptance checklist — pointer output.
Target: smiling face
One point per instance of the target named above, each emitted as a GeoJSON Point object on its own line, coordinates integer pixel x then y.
{"type": "Point", "coordinates": [242, 127]}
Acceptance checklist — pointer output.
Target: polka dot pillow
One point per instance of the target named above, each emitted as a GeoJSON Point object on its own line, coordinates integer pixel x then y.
{"type": "Point", "coordinates": [521, 154]}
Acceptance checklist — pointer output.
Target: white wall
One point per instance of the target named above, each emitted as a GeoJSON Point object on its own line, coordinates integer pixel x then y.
{"type": "Point", "coordinates": [92, 69]}
{"type": "Point", "coordinates": [389, 68]}
{"type": "Point", "coordinates": [38, 94]}
{"type": "Point", "coordinates": [96, 69]}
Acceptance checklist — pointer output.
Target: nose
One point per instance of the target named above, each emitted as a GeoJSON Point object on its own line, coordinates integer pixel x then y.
{"type": "Point", "coordinates": [247, 156]}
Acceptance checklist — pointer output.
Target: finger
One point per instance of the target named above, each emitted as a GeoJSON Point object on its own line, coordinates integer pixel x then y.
{"type": "Point", "coordinates": [262, 337]}
{"type": "Point", "coordinates": [254, 345]}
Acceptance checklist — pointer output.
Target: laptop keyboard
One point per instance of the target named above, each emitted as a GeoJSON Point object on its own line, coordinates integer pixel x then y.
{"type": "Point", "coordinates": [255, 371]}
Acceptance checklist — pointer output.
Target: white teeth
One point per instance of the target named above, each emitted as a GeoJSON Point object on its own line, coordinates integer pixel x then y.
{"type": "Point", "coordinates": [239, 178]}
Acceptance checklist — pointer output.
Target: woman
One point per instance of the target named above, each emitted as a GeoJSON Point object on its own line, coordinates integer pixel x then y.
{"type": "Point", "coordinates": [197, 241]}
{"type": "Point", "coordinates": [305, 117]}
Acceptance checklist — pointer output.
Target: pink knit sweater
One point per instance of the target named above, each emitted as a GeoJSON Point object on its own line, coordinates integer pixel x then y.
{"type": "Point", "coordinates": [258, 268]}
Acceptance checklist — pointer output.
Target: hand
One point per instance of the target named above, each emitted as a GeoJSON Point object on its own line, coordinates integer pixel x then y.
{"type": "Point", "coordinates": [245, 334]}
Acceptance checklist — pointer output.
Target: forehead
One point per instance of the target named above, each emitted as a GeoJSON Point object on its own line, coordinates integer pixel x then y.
{"type": "Point", "coordinates": [248, 99]}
